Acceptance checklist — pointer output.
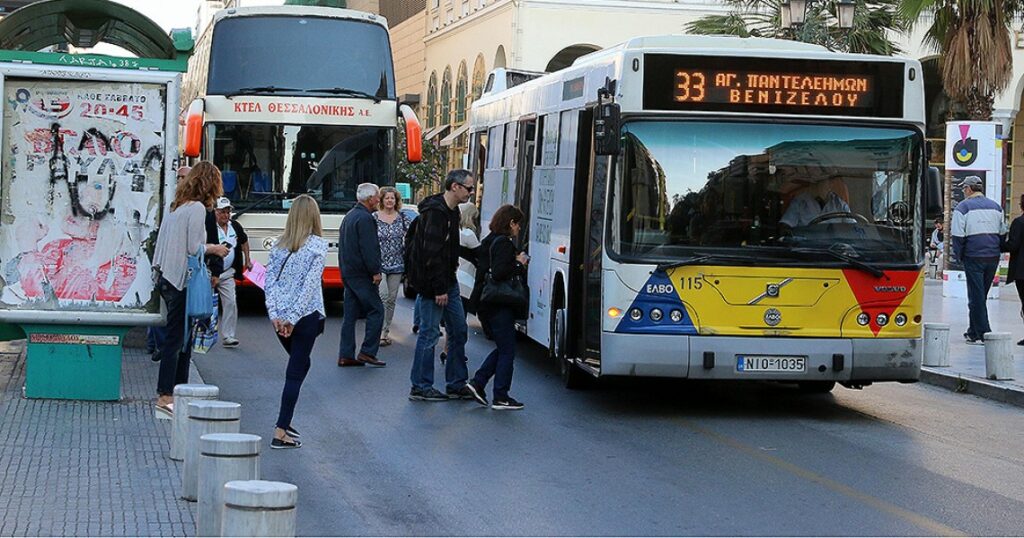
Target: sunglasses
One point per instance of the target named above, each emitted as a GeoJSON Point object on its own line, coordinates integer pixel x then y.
{"type": "Point", "coordinates": [469, 188]}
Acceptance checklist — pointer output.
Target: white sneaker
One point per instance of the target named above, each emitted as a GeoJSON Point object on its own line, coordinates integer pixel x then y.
{"type": "Point", "coordinates": [230, 342]}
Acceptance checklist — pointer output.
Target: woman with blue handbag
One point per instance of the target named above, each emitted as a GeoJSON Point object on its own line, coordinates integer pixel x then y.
{"type": "Point", "coordinates": [295, 304]}
{"type": "Point", "coordinates": [499, 295]}
{"type": "Point", "coordinates": [183, 279]}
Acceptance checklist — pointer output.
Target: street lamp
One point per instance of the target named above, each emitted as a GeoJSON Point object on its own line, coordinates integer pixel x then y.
{"type": "Point", "coordinates": [794, 12]}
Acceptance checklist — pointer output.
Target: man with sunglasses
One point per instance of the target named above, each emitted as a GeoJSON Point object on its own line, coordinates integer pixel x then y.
{"type": "Point", "coordinates": [433, 261]}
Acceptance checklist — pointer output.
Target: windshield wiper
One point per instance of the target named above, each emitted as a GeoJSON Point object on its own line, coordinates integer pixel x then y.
{"type": "Point", "coordinates": [344, 91]}
{"type": "Point", "coordinates": [257, 203]}
{"type": "Point", "coordinates": [867, 267]}
{"type": "Point", "coordinates": [261, 89]}
{"type": "Point", "coordinates": [700, 259]}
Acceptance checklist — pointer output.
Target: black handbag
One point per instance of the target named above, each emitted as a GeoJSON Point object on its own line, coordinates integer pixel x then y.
{"type": "Point", "coordinates": [512, 292]}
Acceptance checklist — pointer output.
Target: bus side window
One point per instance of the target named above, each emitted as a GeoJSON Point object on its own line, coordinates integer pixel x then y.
{"type": "Point", "coordinates": [566, 140]}
{"type": "Point", "coordinates": [549, 148]}
{"type": "Point", "coordinates": [509, 155]}
{"type": "Point", "coordinates": [495, 147]}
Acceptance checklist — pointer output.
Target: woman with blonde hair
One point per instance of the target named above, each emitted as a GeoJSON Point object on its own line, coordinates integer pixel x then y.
{"type": "Point", "coordinates": [392, 225]}
{"type": "Point", "coordinates": [182, 234]}
{"type": "Point", "coordinates": [295, 304]}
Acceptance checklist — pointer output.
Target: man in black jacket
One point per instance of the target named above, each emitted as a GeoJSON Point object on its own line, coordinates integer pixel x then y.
{"type": "Point", "coordinates": [431, 269]}
{"type": "Point", "coordinates": [359, 259]}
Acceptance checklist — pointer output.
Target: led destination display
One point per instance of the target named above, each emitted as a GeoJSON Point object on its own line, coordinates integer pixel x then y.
{"type": "Point", "coordinates": [769, 85]}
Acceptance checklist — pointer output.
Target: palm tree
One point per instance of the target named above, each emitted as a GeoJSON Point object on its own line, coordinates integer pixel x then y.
{"type": "Point", "coordinates": [973, 38]}
{"type": "Point", "coordinates": [873, 23]}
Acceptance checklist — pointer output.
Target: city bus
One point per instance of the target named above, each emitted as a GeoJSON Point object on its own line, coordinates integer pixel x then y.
{"type": "Point", "coordinates": [288, 100]}
{"type": "Point", "coordinates": [718, 208]}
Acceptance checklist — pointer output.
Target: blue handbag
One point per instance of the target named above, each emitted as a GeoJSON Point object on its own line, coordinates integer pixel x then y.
{"type": "Point", "coordinates": [198, 292]}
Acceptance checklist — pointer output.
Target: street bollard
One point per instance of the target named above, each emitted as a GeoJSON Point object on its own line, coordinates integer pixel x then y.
{"type": "Point", "coordinates": [223, 457]}
{"type": "Point", "coordinates": [183, 394]}
{"type": "Point", "coordinates": [998, 356]}
{"type": "Point", "coordinates": [936, 344]}
{"type": "Point", "coordinates": [259, 508]}
{"type": "Point", "coordinates": [204, 416]}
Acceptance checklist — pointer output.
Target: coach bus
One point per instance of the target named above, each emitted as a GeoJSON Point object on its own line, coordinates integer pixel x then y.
{"type": "Point", "coordinates": [718, 208]}
{"type": "Point", "coordinates": [287, 100]}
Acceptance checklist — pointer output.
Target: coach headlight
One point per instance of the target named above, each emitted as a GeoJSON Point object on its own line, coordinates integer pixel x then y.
{"type": "Point", "coordinates": [676, 316]}
{"type": "Point", "coordinates": [863, 318]}
{"type": "Point", "coordinates": [900, 319]}
{"type": "Point", "coordinates": [882, 319]}
{"type": "Point", "coordinates": [656, 314]}
{"type": "Point", "coordinates": [636, 314]}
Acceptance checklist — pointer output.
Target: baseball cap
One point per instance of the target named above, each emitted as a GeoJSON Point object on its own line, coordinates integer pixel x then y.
{"type": "Point", "coordinates": [223, 203]}
{"type": "Point", "coordinates": [972, 181]}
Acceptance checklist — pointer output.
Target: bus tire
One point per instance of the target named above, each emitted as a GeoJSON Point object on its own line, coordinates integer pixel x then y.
{"type": "Point", "coordinates": [572, 376]}
{"type": "Point", "coordinates": [816, 387]}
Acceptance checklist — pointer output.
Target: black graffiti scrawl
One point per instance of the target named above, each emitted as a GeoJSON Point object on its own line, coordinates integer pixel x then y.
{"type": "Point", "coordinates": [59, 173]}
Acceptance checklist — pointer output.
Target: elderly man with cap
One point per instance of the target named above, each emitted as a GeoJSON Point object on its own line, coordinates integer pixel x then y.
{"type": "Point", "coordinates": [229, 233]}
{"type": "Point", "coordinates": [977, 229]}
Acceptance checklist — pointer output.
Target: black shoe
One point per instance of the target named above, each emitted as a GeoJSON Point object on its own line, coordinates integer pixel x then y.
{"type": "Point", "coordinates": [1020, 342]}
{"type": "Point", "coordinates": [277, 443]}
{"type": "Point", "coordinates": [478, 394]}
{"type": "Point", "coordinates": [415, 329]}
{"type": "Point", "coordinates": [444, 356]}
{"type": "Point", "coordinates": [508, 404]}
{"type": "Point", "coordinates": [155, 357]}
{"type": "Point", "coordinates": [429, 395]}
{"type": "Point", "coordinates": [464, 393]}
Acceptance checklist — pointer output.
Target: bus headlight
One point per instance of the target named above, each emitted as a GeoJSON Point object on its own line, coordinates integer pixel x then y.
{"type": "Point", "coordinates": [900, 319]}
{"type": "Point", "coordinates": [635, 314]}
{"type": "Point", "coordinates": [656, 314]}
{"type": "Point", "coordinates": [882, 319]}
{"type": "Point", "coordinates": [863, 318]}
{"type": "Point", "coordinates": [676, 316]}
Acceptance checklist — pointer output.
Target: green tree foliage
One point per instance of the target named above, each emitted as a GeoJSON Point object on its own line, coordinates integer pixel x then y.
{"type": "Point", "coordinates": [426, 175]}
{"type": "Point", "coordinates": [973, 38]}
{"type": "Point", "coordinates": [873, 24]}
{"type": "Point", "coordinates": [319, 3]}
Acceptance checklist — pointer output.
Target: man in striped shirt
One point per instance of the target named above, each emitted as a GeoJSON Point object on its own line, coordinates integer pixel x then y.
{"type": "Point", "coordinates": [977, 229]}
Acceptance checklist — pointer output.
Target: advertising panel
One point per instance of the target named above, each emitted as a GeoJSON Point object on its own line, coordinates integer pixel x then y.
{"type": "Point", "coordinates": [83, 166]}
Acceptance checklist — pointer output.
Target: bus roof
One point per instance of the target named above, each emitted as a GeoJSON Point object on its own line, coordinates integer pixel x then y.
{"type": "Point", "coordinates": [545, 94]}
{"type": "Point", "coordinates": [300, 11]}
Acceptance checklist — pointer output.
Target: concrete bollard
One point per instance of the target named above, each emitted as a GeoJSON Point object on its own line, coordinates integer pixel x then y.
{"type": "Point", "coordinates": [223, 457]}
{"type": "Point", "coordinates": [204, 416]}
{"type": "Point", "coordinates": [259, 508]}
{"type": "Point", "coordinates": [183, 394]}
{"type": "Point", "coordinates": [998, 356]}
{"type": "Point", "coordinates": [936, 344]}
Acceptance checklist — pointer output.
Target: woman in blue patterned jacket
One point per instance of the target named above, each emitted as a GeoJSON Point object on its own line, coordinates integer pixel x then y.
{"type": "Point", "coordinates": [295, 304]}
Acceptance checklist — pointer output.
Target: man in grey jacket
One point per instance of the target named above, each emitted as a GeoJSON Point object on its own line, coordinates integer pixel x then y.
{"type": "Point", "coordinates": [359, 259]}
{"type": "Point", "coordinates": [977, 229]}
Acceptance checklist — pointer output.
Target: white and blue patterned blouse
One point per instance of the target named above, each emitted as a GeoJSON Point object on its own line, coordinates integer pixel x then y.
{"type": "Point", "coordinates": [298, 292]}
{"type": "Point", "coordinates": [392, 243]}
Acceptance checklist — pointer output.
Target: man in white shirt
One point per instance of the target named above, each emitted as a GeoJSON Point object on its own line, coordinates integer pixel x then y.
{"type": "Point", "coordinates": [231, 235]}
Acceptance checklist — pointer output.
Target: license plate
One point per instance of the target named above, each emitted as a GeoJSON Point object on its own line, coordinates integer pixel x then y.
{"type": "Point", "coordinates": [769, 363]}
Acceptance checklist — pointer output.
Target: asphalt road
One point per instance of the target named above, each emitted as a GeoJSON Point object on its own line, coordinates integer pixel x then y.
{"type": "Point", "coordinates": [631, 457]}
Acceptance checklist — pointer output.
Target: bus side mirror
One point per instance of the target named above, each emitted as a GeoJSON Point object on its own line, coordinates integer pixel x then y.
{"type": "Point", "coordinates": [606, 129]}
{"type": "Point", "coordinates": [194, 128]}
{"type": "Point", "coordinates": [933, 193]}
{"type": "Point", "coordinates": [413, 135]}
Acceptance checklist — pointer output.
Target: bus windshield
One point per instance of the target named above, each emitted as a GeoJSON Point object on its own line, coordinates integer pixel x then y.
{"type": "Point", "coordinates": [263, 166]}
{"type": "Point", "coordinates": [290, 55]}
{"type": "Point", "coordinates": [766, 191]}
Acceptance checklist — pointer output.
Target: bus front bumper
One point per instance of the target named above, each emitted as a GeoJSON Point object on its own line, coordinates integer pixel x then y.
{"type": "Point", "coordinates": [847, 360]}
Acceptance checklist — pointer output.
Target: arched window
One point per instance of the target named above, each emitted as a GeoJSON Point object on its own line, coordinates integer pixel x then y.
{"type": "Point", "coordinates": [461, 86]}
{"type": "Point", "coordinates": [565, 57]}
{"type": "Point", "coordinates": [446, 97]}
{"type": "Point", "coordinates": [432, 101]}
{"type": "Point", "coordinates": [499, 57]}
{"type": "Point", "coordinates": [479, 74]}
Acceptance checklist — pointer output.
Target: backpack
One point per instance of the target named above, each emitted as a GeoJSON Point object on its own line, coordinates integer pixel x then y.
{"type": "Point", "coordinates": [409, 254]}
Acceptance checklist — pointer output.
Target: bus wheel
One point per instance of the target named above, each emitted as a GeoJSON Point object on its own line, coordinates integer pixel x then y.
{"type": "Point", "coordinates": [816, 387]}
{"type": "Point", "coordinates": [572, 376]}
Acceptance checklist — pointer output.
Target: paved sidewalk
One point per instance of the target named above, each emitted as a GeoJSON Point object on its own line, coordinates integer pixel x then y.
{"type": "Point", "coordinates": [966, 372]}
{"type": "Point", "coordinates": [89, 468]}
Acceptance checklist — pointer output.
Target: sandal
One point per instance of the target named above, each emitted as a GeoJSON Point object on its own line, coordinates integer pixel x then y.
{"type": "Point", "coordinates": [164, 411]}
{"type": "Point", "coordinates": [385, 341]}
{"type": "Point", "coordinates": [281, 443]}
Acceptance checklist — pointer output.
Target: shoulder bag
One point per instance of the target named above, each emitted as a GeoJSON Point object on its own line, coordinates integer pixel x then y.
{"type": "Point", "coordinates": [512, 292]}
{"type": "Point", "coordinates": [198, 292]}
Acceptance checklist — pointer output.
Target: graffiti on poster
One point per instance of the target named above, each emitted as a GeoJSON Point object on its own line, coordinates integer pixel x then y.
{"type": "Point", "coordinates": [83, 168]}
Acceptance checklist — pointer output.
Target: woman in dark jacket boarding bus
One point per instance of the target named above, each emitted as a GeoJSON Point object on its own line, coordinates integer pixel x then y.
{"type": "Point", "coordinates": [498, 255]}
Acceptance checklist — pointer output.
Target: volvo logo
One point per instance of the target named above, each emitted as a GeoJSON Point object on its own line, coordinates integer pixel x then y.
{"type": "Point", "coordinates": [890, 289]}
{"type": "Point", "coordinates": [772, 290]}
{"type": "Point", "coordinates": [772, 317]}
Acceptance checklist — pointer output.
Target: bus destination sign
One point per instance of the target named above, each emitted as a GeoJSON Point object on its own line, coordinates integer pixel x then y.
{"type": "Point", "coordinates": [773, 85]}
{"type": "Point", "coordinates": [766, 88]}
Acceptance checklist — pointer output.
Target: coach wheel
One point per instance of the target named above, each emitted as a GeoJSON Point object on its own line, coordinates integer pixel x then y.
{"type": "Point", "coordinates": [816, 387]}
{"type": "Point", "coordinates": [572, 376]}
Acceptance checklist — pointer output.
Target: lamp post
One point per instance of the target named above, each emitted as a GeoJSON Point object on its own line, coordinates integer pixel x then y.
{"type": "Point", "coordinates": [794, 12]}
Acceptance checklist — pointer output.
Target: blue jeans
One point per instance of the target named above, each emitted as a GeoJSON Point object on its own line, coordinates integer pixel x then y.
{"type": "Point", "coordinates": [979, 275]}
{"type": "Point", "coordinates": [175, 353]}
{"type": "Point", "coordinates": [362, 298]}
{"type": "Point", "coordinates": [455, 370]}
{"type": "Point", "coordinates": [299, 345]}
{"type": "Point", "coordinates": [155, 337]}
{"type": "Point", "coordinates": [499, 364]}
